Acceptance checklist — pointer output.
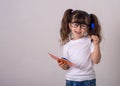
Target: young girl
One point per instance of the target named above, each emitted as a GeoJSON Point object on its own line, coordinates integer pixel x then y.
{"type": "Point", "coordinates": [80, 37]}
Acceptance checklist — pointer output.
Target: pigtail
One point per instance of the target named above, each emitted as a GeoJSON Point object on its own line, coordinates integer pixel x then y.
{"type": "Point", "coordinates": [95, 28]}
{"type": "Point", "coordinates": [64, 30]}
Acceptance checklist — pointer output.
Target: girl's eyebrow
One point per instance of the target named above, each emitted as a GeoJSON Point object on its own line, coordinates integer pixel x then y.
{"type": "Point", "coordinates": [79, 22]}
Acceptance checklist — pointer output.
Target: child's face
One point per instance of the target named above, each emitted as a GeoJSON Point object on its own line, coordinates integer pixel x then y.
{"type": "Point", "coordinates": [78, 30]}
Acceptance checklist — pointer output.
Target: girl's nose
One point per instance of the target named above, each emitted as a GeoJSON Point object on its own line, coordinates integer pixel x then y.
{"type": "Point", "coordinates": [79, 27]}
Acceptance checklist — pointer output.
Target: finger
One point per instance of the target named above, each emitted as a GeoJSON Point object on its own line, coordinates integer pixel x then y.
{"type": "Point", "coordinates": [94, 37]}
{"type": "Point", "coordinates": [60, 61]}
{"type": "Point", "coordinates": [62, 65]}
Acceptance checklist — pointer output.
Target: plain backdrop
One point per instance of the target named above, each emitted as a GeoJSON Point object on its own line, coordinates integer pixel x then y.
{"type": "Point", "coordinates": [29, 29]}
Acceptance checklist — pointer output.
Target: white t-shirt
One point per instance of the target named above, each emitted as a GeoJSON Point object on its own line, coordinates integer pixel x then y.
{"type": "Point", "coordinates": [78, 51]}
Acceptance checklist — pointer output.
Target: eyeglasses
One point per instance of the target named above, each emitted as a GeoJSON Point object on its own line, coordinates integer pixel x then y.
{"type": "Point", "coordinates": [75, 25]}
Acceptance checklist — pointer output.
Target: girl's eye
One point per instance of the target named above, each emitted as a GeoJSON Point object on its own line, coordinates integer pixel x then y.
{"type": "Point", "coordinates": [83, 25]}
{"type": "Point", "coordinates": [76, 24]}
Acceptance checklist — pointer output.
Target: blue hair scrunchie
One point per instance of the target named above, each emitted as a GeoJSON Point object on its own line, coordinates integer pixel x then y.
{"type": "Point", "coordinates": [92, 25]}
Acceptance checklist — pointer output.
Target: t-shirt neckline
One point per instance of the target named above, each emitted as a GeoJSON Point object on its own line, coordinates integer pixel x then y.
{"type": "Point", "coordinates": [78, 40]}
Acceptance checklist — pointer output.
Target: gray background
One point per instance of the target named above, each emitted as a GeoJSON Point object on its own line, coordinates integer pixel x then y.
{"type": "Point", "coordinates": [29, 29]}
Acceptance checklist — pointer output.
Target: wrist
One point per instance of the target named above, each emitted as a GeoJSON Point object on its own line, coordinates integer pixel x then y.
{"type": "Point", "coordinates": [96, 43]}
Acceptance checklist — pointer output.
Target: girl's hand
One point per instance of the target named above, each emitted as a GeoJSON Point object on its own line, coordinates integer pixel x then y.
{"type": "Point", "coordinates": [95, 39]}
{"type": "Point", "coordinates": [63, 64]}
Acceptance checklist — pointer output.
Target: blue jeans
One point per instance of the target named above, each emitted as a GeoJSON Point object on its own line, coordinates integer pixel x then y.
{"type": "Point", "coordinates": [82, 83]}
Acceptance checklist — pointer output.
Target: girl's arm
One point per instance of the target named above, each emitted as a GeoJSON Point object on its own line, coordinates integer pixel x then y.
{"type": "Point", "coordinates": [96, 54]}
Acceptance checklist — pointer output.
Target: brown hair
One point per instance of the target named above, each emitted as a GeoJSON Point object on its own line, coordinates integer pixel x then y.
{"type": "Point", "coordinates": [82, 17]}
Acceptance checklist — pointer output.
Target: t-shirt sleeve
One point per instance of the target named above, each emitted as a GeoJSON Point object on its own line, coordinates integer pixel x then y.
{"type": "Point", "coordinates": [92, 47]}
{"type": "Point", "coordinates": [65, 52]}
